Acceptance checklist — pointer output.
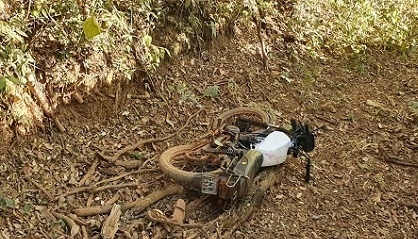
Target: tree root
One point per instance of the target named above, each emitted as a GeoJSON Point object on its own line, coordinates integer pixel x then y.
{"type": "Point", "coordinates": [112, 159]}
{"type": "Point", "coordinates": [137, 206]}
{"type": "Point", "coordinates": [38, 91]}
{"type": "Point", "coordinates": [395, 159]}
{"type": "Point", "coordinates": [74, 228]}
{"type": "Point", "coordinates": [410, 205]}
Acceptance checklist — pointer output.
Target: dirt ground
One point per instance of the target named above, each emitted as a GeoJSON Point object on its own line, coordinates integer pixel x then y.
{"type": "Point", "coordinates": [364, 106]}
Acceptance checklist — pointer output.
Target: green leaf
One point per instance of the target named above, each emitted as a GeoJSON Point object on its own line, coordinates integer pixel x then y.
{"type": "Point", "coordinates": [363, 166]}
{"type": "Point", "coordinates": [146, 40]}
{"type": "Point", "coordinates": [91, 28]}
{"type": "Point", "coordinates": [15, 80]}
{"type": "Point", "coordinates": [138, 155]}
{"type": "Point", "coordinates": [413, 105]}
{"type": "Point", "coordinates": [2, 83]}
{"type": "Point", "coordinates": [217, 142]}
{"type": "Point", "coordinates": [212, 91]}
{"type": "Point", "coordinates": [6, 202]}
{"type": "Point", "coordinates": [27, 208]}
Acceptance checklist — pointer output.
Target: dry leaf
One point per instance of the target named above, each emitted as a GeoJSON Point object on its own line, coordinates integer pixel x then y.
{"type": "Point", "coordinates": [111, 225]}
{"type": "Point", "coordinates": [377, 105]}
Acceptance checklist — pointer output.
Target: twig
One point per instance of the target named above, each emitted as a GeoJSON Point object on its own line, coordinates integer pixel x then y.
{"type": "Point", "coordinates": [48, 194]}
{"type": "Point", "coordinates": [116, 186]}
{"type": "Point", "coordinates": [137, 206]}
{"type": "Point", "coordinates": [260, 37]}
{"type": "Point", "coordinates": [128, 148]}
{"type": "Point", "coordinates": [112, 200]}
{"type": "Point", "coordinates": [263, 47]}
{"type": "Point", "coordinates": [394, 159]}
{"type": "Point", "coordinates": [326, 120]}
{"type": "Point", "coordinates": [89, 173]}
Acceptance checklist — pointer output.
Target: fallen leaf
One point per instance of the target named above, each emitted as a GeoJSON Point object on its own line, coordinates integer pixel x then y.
{"type": "Point", "coordinates": [168, 121]}
{"type": "Point", "coordinates": [91, 28]}
{"type": "Point", "coordinates": [111, 224]}
{"type": "Point", "coordinates": [377, 105]}
{"type": "Point", "coordinates": [377, 197]}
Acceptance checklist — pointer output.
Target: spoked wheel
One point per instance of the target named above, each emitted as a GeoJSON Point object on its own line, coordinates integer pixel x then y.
{"type": "Point", "coordinates": [187, 162]}
{"type": "Point", "coordinates": [184, 162]}
{"type": "Point", "coordinates": [233, 117]}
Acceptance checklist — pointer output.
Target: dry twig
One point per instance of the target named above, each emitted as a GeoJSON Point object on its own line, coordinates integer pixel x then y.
{"type": "Point", "coordinates": [48, 194]}
{"type": "Point", "coordinates": [127, 174]}
{"type": "Point", "coordinates": [89, 173]}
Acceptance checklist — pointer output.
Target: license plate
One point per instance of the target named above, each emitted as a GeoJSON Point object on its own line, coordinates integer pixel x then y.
{"type": "Point", "coordinates": [210, 184]}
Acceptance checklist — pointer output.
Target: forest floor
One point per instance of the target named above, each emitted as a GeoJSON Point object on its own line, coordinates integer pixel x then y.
{"type": "Point", "coordinates": [367, 109]}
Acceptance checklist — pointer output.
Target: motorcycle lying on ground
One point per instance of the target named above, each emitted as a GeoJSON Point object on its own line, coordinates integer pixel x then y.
{"type": "Point", "coordinates": [225, 162]}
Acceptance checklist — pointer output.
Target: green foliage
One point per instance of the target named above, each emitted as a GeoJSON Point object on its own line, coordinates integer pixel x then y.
{"type": "Point", "coordinates": [212, 91]}
{"type": "Point", "coordinates": [354, 26]}
{"type": "Point", "coordinates": [153, 54]}
{"type": "Point", "coordinates": [59, 29]}
{"type": "Point", "coordinates": [6, 202]}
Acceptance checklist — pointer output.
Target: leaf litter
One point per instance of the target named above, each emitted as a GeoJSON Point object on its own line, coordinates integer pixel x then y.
{"type": "Point", "coordinates": [49, 177]}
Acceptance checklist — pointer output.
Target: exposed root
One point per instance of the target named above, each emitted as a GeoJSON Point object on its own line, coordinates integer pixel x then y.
{"type": "Point", "coordinates": [38, 91]}
{"type": "Point", "coordinates": [127, 174]}
{"type": "Point", "coordinates": [247, 212]}
{"type": "Point", "coordinates": [137, 206]}
{"type": "Point", "coordinates": [48, 194]}
{"type": "Point", "coordinates": [410, 205]}
{"type": "Point", "coordinates": [395, 159]}
{"type": "Point", "coordinates": [74, 228]}
{"type": "Point", "coordinates": [78, 98]}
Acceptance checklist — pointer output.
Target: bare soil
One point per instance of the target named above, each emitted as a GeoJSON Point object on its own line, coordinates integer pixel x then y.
{"type": "Point", "coordinates": [363, 106]}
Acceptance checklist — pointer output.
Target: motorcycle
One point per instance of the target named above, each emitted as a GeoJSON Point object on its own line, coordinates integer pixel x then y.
{"type": "Point", "coordinates": [243, 141]}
